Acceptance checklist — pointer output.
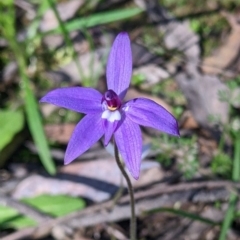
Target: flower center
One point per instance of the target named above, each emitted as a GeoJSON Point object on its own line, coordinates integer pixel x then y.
{"type": "Point", "coordinates": [112, 100]}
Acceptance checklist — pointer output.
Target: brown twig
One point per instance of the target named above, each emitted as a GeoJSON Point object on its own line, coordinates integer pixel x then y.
{"type": "Point", "coordinates": [158, 196]}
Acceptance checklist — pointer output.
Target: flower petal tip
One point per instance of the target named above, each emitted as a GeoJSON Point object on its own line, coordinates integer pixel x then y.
{"type": "Point", "coordinates": [66, 161]}
{"type": "Point", "coordinates": [123, 34]}
{"type": "Point", "coordinates": [177, 134]}
{"type": "Point", "coordinates": [45, 99]}
{"type": "Point", "coordinates": [119, 65]}
{"type": "Point", "coordinates": [42, 100]}
{"type": "Point", "coordinates": [105, 143]}
{"type": "Point", "coordinates": [134, 174]}
{"type": "Point", "coordinates": [136, 177]}
{"type": "Point", "coordinates": [123, 38]}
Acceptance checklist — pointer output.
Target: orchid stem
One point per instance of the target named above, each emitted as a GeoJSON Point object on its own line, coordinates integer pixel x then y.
{"type": "Point", "coordinates": [131, 193]}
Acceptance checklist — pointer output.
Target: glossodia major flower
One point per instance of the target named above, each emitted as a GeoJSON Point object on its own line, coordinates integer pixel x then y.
{"type": "Point", "coordinates": [108, 115]}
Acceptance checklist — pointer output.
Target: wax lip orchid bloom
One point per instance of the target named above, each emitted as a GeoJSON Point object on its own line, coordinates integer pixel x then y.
{"type": "Point", "coordinates": [108, 115]}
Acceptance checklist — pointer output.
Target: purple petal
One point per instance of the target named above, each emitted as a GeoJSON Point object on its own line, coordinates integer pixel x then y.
{"type": "Point", "coordinates": [119, 65]}
{"type": "Point", "coordinates": [129, 142]}
{"type": "Point", "coordinates": [147, 113]}
{"type": "Point", "coordinates": [79, 99]}
{"type": "Point", "coordinates": [88, 131]}
{"type": "Point", "coordinates": [109, 128]}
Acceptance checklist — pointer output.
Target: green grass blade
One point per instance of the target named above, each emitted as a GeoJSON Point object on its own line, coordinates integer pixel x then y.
{"type": "Point", "coordinates": [64, 31]}
{"type": "Point", "coordinates": [233, 197]}
{"type": "Point", "coordinates": [182, 213]}
{"type": "Point", "coordinates": [228, 217]}
{"type": "Point", "coordinates": [236, 161]}
{"type": "Point", "coordinates": [98, 19]}
{"type": "Point", "coordinates": [7, 11]}
{"type": "Point", "coordinates": [33, 37]}
{"type": "Point", "coordinates": [36, 128]}
{"type": "Point", "coordinates": [33, 27]}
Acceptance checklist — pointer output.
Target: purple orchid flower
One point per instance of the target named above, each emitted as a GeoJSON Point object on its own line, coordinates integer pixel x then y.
{"type": "Point", "coordinates": [107, 114]}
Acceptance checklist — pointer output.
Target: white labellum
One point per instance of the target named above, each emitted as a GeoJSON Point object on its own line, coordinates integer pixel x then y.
{"type": "Point", "coordinates": [111, 116]}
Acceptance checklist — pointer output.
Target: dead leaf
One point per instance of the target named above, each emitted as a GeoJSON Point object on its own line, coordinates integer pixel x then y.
{"type": "Point", "coordinates": [59, 133]}
{"type": "Point", "coordinates": [187, 121]}
{"type": "Point", "coordinates": [91, 66]}
{"type": "Point", "coordinates": [37, 185]}
{"type": "Point", "coordinates": [201, 91]}
{"type": "Point", "coordinates": [142, 56]}
{"type": "Point", "coordinates": [178, 34]}
{"type": "Point", "coordinates": [95, 180]}
{"type": "Point", "coordinates": [152, 73]}
{"type": "Point", "coordinates": [203, 95]}
{"type": "Point", "coordinates": [227, 53]}
{"type": "Point", "coordinates": [197, 227]}
{"type": "Point", "coordinates": [66, 11]}
{"type": "Point", "coordinates": [207, 146]}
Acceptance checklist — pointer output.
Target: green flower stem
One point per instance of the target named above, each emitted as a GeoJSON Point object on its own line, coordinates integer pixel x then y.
{"type": "Point", "coordinates": [131, 193]}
